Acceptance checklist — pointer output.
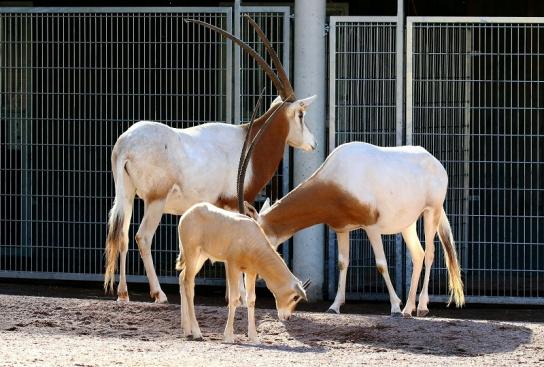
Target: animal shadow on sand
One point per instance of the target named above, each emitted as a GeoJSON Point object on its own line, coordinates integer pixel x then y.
{"type": "Point", "coordinates": [442, 337]}
{"type": "Point", "coordinates": [138, 321]}
{"type": "Point", "coordinates": [305, 332]}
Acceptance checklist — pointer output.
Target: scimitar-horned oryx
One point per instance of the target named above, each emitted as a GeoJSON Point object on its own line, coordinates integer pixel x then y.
{"type": "Point", "coordinates": [172, 169]}
{"type": "Point", "coordinates": [383, 191]}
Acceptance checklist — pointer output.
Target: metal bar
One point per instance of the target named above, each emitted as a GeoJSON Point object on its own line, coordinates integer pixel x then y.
{"type": "Point", "coordinates": [475, 19]}
{"type": "Point", "coordinates": [331, 243]}
{"type": "Point", "coordinates": [113, 9]}
{"type": "Point", "coordinates": [399, 140]}
{"type": "Point", "coordinates": [236, 66]}
{"type": "Point", "coordinates": [286, 248]}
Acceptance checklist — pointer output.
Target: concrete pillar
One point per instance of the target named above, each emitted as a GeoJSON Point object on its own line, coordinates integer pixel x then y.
{"type": "Point", "coordinates": [310, 58]}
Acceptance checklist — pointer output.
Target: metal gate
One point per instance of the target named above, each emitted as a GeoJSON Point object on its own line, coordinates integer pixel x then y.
{"type": "Point", "coordinates": [72, 80]}
{"type": "Point", "coordinates": [474, 99]}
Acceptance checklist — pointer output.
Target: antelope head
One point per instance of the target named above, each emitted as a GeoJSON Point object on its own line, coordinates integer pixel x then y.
{"type": "Point", "coordinates": [292, 110]}
{"type": "Point", "coordinates": [288, 297]}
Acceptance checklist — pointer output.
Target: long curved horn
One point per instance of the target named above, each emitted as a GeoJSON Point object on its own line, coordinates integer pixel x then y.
{"type": "Point", "coordinates": [241, 177]}
{"type": "Point", "coordinates": [284, 78]}
{"type": "Point", "coordinates": [262, 63]}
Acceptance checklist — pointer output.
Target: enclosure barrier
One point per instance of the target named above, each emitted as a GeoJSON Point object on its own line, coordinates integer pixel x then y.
{"type": "Point", "coordinates": [74, 79]}
{"type": "Point", "coordinates": [475, 100]}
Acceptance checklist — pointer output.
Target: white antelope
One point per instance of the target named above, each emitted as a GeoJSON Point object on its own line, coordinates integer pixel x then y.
{"type": "Point", "coordinates": [383, 191]}
{"type": "Point", "coordinates": [172, 169]}
{"type": "Point", "coordinates": [207, 232]}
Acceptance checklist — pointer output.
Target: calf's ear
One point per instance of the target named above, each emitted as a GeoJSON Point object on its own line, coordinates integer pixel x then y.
{"type": "Point", "coordinates": [250, 210]}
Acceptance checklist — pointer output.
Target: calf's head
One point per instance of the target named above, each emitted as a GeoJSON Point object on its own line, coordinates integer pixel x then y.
{"type": "Point", "coordinates": [288, 296]}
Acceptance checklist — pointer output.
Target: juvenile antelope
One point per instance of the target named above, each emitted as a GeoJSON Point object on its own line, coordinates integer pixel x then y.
{"type": "Point", "coordinates": [207, 232]}
{"type": "Point", "coordinates": [383, 191]}
{"type": "Point", "coordinates": [172, 169]}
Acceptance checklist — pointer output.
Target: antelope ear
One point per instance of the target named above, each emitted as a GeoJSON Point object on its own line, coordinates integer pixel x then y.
{"type": "Point", "coordinates": [250, 210]}
{"type": "Point", "coordinates": [304, 103]}
{"type": "Point", "coordinates": [265, 206]}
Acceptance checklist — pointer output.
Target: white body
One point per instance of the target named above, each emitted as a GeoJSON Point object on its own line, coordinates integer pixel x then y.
{"type": "Point", "coordinates": [190, 158]}
{"type": "Point", "coordinates": [400, 181]}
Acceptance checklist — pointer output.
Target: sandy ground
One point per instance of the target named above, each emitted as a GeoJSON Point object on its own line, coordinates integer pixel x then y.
{"type": "Point", "coordinates": [74, 332]}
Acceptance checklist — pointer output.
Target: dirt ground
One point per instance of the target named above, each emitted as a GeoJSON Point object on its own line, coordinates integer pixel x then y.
{"type": "Point", "coordinates": [49, 331]}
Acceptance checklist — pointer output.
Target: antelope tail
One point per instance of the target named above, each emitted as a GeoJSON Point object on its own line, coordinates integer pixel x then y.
{"type": "Point", "coordinates": [115, 241]}
{"type": "Point", "coordinates": [450, 256]}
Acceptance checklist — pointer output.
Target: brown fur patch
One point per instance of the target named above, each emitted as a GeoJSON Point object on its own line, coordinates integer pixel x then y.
{"type": "Point", "coordinates": [268, 152]}
{"type": "Point", "coordinates": [315, 202]}
{"type": "Point", "coordinates": [380, 268]}
{"type": "Point", "coordinates": [158, 193]}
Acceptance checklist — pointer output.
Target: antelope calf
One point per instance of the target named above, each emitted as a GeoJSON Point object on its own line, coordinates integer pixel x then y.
{"type": "Point", "coordinates": [207, 232]}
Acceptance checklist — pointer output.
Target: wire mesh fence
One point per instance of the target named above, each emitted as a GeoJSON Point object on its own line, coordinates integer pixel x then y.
{"type": "Point", "coordinates": [73, 80]}
{"type": "Point", "coordinates": [475, 101]}
{"type": "Point", "coordinates": [362, 107]}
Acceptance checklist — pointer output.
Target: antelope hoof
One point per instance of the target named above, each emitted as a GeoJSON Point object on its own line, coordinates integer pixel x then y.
{"type": "Point", "coordinates": [396, 314]}
{"type": "Point", "coordinates": [122, 296]}
{"type": "Point", "coordinates": [333, 311]}
{"type": "Point", "coordinates": [254, 339]}
{"type": "Point", "coordinates": [160, 297]}
{"type": "Point", "coordinates": [407, 315]}
{"type": "Point", "coordinates": [422, 313]}
{"type": "Point", "coordinates": [228, 339]}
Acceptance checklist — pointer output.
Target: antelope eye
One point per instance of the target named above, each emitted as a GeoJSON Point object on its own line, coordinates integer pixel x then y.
{"type": "Point", "coordinates": [300, 115]}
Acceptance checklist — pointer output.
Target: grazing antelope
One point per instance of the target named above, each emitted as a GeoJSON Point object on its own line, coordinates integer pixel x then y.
{"type": "Point", "coordinates": [172, 169]}
{"type": "Point", "coordinates": [383, 191]}
{"type": "Point", "coordinates": [208, 232]}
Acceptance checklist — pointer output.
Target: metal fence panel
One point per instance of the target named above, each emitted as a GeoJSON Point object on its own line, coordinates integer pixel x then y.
{"type": "Point", "coordinates": [475, 100]}
{"type": "Point", "coordinates": [72, 80]}
{"type": "Point", "coordinates": [362, 107]}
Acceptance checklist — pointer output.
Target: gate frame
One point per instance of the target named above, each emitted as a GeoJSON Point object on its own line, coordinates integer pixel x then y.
{"type": "Point", "coordinates": [232, 94]}
{"type": "Point", "coordinates": [410, 21]}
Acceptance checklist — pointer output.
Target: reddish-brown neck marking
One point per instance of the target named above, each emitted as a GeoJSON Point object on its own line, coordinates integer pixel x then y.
{"type": "Point", "coordinates": [266, 156]}
{"type": "Point", "coordinates": [315, 202]}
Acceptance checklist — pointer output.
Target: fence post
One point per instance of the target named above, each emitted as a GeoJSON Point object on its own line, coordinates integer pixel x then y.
{"type": "Point", "coordinates": [308, 248]}
{"type": "Point", "coordinates": [399, 275]}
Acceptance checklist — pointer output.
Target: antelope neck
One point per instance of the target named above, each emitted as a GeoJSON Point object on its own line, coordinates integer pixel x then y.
{"type": "Point", "coordinates": [271, 267]}
{"type": "Point", "coordinates": [314, 202]}
{"type": "Point", "coordinates": [268, 152]}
